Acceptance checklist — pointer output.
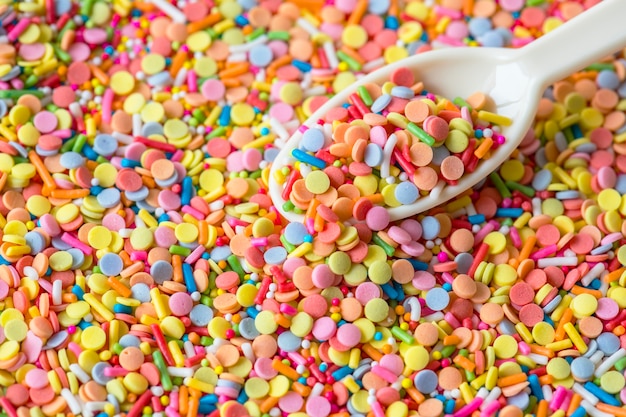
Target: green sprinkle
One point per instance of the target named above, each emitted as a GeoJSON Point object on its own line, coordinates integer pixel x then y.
{"type": "Point", "coordinates": [179, 250]}
{"type": "Point", "coordinates": [569, 135]}
{"type": "Point", "coordinates": [117, 348]}
{"type": "Point", "coordinates": [355, 66]}
{"type": "Point", "coordinates": [20, 93]}
{"type": "Point", "coordinates": [365, 95]}
{"type": "Point", "coordinates": [460, 102]}
{"type": "Point", "coordinates": [220, 131]}
{"type": "Point", "coordinates": [499, 184]}
{"type": "Point", "coordinates": [70, 25]}
{"type": "Point", "coordinates": [527, 191]}
{"type": "Point", "coordinates": [620, 365]}
{"type": "Point", "coordinates": [110, 32]}
{"type": "Point", "coordinates": [206, 341]}
{"type": "Point", "coordinates": [256, 174]}
{"type": "Point", "coordinates": [85, 8]}
{"type": "Point", "coordinates": [255, 34]}
{"type": "Point", "coordinates": [290, 248]}
{"type": "Point", "coordinates": [199, 115]}
{"type": "Point", "coordinates": [158, 360]}
{"type": "Point", "coordinates": [470, 376]}
{"type": "Point", "coordinates": [447, 351]}
{"type": "Point", "coordinates": [403, 335]}
{"type": "Point", "coordinates": [233, 261]}
{"type": "Point", "coordinates": [420, 133]}
{"type": "Point", "coordinates": [31, 80]}
{"type": "Point", "coordinates": [80, 142]}
{"type": "Point", "coordinates": [212, 33]}
{"type": "Point", "coordinates": [67, 146]}
{"type": "Point", "coordinates": [532, 404]}
{"type": "Point", "coordinates": [288, 206]}
{"type": "Point", "coordinates": [277, 35]}
{"type": "Point", "coordinates": [600, 66]}
{"type": "Point", "coordinates": [389, 250]}
{"type": "Point", "coordinates": [531, 3]}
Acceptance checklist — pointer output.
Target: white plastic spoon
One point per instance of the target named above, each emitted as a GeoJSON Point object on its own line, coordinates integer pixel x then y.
{"type": "Point", "coordinates": [513, 79]}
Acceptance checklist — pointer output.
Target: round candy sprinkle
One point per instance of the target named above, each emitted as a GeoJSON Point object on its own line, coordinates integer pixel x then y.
{"type": "Point", "coordinates": [146, 271]}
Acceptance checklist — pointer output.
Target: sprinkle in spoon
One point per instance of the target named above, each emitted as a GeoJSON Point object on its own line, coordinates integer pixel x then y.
{"type": "Point", "coordinates": [512, 79]}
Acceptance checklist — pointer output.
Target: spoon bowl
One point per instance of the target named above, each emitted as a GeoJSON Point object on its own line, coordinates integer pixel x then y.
{"type": "Point", "coordinates": [512, 79]}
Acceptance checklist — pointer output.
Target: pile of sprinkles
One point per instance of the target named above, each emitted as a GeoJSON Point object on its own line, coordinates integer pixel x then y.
{"type": "Point", "coordinates": [144, 270]}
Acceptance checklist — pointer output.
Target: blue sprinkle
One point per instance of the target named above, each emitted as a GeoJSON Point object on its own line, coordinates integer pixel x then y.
{"type": "Point", "coordinates": [402, 92]}
{"type": "Point", "coordinates": [261, 56]}
{"type": "Point", "coordinates": [437, 299]}
{"type": "Point", "coordinates": [288, 341]}
{"type": "Point", "coordinates": [104, 144]}
{"type": "Point", "coordinates": [391, 22]}
{"type": "Point", "coordinates": [187, 191]}
{"type": "Point", "coordinates": [275, 255]}
{"type": "Point", "coordinates": [478, 26]}
{"type": "Point", "coordinates": [513, 213]}
{"type": "Point", "coordinates": [224, 119]}
{"type": "Point", "coordinates": [389, 291]}
{"type": "Point", "coordinates": [426, 381]}
{"type": "Point", "coordinates": [78, 292]}
{"type": "Point", "coordinates": [209, 399]}
{"type": "Point", "coordinates": [95, 190]}
{"type": "Point", "coordinates": [190, 282]}
{"type": "Point", "coordinates": [301, 65]}
{"type": "Point", "coordinates": [71, 160]}
{"type": "Point", "coordinates": [295, 233]}
{"type": "Point", "coordinates": [567, 195]}
{"type": "Point", "coordinates": [608, 343]}
{"type": "Point", "coordinates": [602, 394]}
{"type": "Point", "coordinates": [582, 368]}
{"type": "Point", "coordinates": [122, 309]}
{"type": "Point", "coordinates": [607, 79]}
{"type": "Point", "coordinates": [381, 103]}
{"type": "Point", "coordinates": [476, 218]}
{"type": "Point", "coordinates": [308, 159]}
{"type": "Point", "coordinates": [373, 155]}
{"type": "Point", "coordinates": [430, 227]}
{"type": "Point", "coordinates": [418, 265]}
{"type": "Point", "coordinates": [341, 373]}
{"type": "Point", "coordinates": [406, 193]}
{"type": "Point", "coordinates": [129, 163]}
{"type": "Point", "coordinates": [542, 180]}
{"type": "Point", "coordinates": [312, 140]}
{"type": "Point", "coordinates": [83, 325]}
{"type": "Point", "coordinates": [111, 264]}
{"type": "Point", "coordinates": [109, 198]}
{"type": "Point", "coordinates": [450, 405]}
{"type": "Point", "coordinates": [535, 386]}
{"type": "Point", "coordinates": [378, 7]}
{"type": "Point", "coordinates": [89, 152]}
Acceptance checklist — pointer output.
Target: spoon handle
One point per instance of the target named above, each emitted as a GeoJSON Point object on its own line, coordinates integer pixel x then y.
{"type": "Point", "coordinates": [586, 38]}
